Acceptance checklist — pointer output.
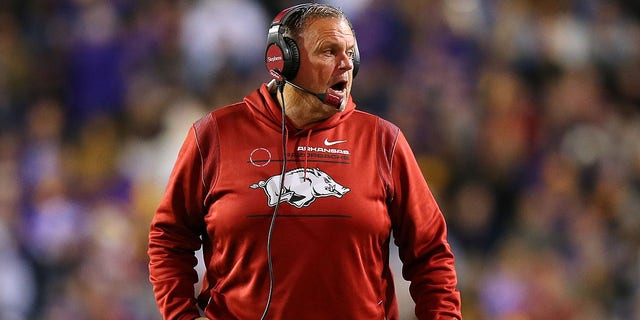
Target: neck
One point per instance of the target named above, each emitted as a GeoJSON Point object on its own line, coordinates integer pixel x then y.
{"type": "Point", "coordinates": [303, 109]}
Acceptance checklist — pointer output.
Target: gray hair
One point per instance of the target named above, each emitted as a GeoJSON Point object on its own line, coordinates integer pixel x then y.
{"type": "Point", "coordinates": [298, 19]}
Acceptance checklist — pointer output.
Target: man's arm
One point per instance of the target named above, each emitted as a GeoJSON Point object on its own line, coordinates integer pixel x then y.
{"type": "Point", "coordinates": [174, 236]}
{"type": "Point", "coordinates": [421, 234]}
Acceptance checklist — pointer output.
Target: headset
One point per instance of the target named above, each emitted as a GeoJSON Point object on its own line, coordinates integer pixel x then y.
{"type": "Point", "coordinates": [282, 56]}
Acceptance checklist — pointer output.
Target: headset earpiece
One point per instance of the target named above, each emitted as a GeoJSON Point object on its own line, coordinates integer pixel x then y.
{"type": "Point", "coordinates": [291, 69]}
{"type": "Point", "coordinates": [356, 58]}
{"type": "Point", "coordinates": [282, 57]}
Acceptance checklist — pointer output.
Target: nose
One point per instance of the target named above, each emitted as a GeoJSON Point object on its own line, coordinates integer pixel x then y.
{"type": "Point", "coordinates": [346, 61]}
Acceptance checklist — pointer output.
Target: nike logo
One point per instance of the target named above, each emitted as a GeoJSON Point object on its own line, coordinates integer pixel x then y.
{"type": "Point", "coordinates": [330, 143]}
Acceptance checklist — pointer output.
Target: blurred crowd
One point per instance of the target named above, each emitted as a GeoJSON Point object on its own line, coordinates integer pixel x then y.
{"type": "Point", "coordinates": [524, 116]}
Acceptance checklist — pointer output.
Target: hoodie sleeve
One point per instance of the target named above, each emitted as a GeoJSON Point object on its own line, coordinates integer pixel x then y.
{"type": "Point", "coordinates": [421, 235]}
{"type": "Point", "coordinates": [175, 233]}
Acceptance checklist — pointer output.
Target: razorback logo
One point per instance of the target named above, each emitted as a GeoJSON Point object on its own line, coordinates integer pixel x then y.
{"type": "Point", "coordinates": [300, 190]}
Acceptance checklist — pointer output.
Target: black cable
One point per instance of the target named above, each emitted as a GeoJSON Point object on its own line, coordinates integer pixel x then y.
{"type": "Point", "coordinates": [277, 206]}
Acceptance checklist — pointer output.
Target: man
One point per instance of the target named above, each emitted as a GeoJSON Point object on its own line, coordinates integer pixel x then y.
{"type": "Point", "coordinates": [293, 195]}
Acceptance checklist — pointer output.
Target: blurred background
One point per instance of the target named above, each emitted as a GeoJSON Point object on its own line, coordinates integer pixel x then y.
{"type": "Point", "coordinates": [524, 116]}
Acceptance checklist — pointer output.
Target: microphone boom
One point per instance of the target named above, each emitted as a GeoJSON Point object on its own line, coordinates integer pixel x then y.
{"type": "Point", "coordinates": [326, 98]}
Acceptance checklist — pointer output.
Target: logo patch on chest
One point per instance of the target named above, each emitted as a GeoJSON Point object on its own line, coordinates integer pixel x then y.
{"type": "Point", "coordinates": [301, 187]}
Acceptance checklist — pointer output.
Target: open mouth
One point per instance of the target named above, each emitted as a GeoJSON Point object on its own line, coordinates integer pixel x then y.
{"type": "Point", "coordinates": [339, 86]}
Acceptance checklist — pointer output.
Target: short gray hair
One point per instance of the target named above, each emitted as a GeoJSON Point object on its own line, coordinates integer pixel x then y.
{"type": "Point", "coordinates": [298, 19]}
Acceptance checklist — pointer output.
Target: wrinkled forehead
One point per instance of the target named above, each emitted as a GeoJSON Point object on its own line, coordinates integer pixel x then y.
{"type": "Point", "coordinates": [327, 29]}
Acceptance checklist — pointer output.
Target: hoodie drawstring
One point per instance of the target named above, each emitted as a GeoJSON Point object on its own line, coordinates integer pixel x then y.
{"type": "Point", "coordinates": [286, 140]}
{"type": "Point", "coordinates": [306, 154]}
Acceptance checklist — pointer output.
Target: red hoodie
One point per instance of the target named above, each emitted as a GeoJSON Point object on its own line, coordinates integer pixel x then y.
{"type": "Point", "coordinates": [350, 180]}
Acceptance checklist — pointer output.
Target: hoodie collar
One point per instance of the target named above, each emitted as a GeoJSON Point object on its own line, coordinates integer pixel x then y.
{"type": "Point", "coordinates": [267, 110]}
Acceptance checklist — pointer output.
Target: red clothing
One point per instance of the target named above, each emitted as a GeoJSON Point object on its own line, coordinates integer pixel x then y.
{"type": "Point", "coordinates": [350, 180]}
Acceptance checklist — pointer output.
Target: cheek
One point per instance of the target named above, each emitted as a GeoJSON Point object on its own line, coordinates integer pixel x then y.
{"type": "Point", "coordinates": [325, 69]}
{"type": "Point", "coordinates": [311, 70]}
{"type": "Point", "coordinates": [321, 75]}
{"type": "Point", "coordinates": [317, 72]}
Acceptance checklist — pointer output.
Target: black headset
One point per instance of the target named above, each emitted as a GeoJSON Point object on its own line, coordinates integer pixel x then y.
{"type": "Point", "coordinates": [282, 57]}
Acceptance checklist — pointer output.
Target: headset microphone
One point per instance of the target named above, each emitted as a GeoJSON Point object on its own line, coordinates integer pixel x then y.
{"type": "Point", "coordinates": [327, 98]}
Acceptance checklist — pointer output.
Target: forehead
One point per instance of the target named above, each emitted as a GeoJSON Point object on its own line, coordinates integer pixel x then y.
{"type": "Point", "coordinates": [318, 29]}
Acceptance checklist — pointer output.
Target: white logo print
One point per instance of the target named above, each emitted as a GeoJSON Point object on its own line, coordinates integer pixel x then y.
{"type": "Point", "coordinates": [330, 143]}
{"type": "Point", "coordinates": [298, 190]}
{"type": "Point", "coordinates": [260, 157]}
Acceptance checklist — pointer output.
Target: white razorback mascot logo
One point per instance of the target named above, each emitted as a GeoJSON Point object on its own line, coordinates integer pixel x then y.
{"type": "Point", "coordinates": [300, 190]}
